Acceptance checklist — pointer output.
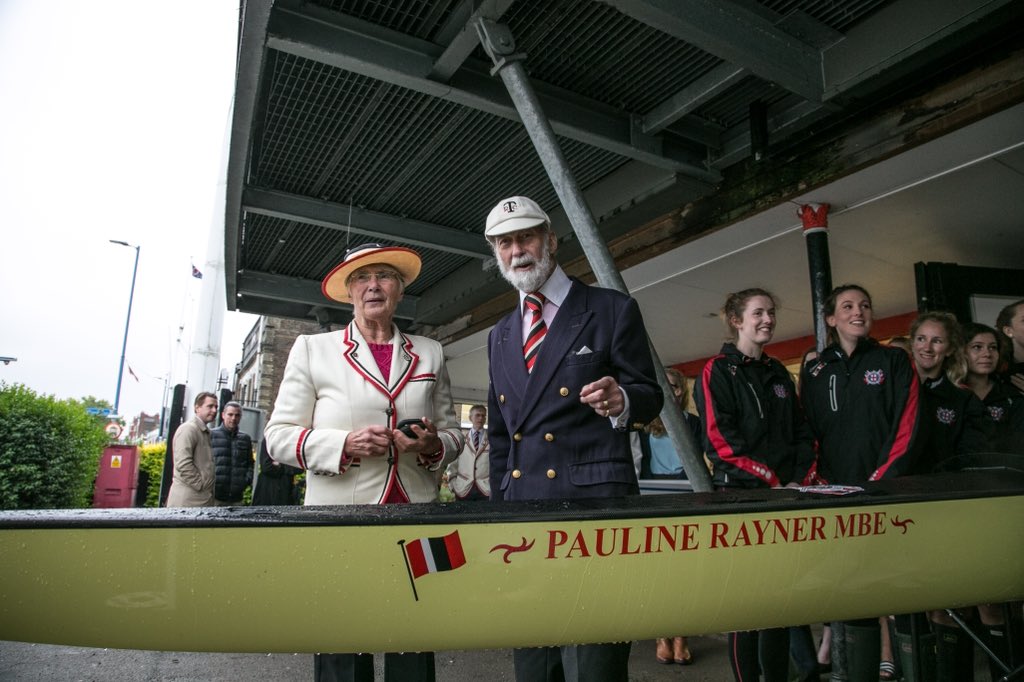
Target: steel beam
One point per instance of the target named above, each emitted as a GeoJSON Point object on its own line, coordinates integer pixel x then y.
{"type": "Point", "coordinates": [460, 36]}
{"type": "Point", "coordinates": [376, 52]}
{"type": "Point", "coordinates": [250, 66]}
{"type": "Point", "coordinates": [736, 35]}
{"type": "Point", "coordinates": [370, 223]}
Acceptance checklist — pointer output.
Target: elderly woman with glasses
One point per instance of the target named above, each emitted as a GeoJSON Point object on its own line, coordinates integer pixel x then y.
{"type": "Point", "coordinates": [339, 408]}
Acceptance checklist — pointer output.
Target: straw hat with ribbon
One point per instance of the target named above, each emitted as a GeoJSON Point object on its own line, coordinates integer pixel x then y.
{"type": "Point", "coordinates": [406, 261]}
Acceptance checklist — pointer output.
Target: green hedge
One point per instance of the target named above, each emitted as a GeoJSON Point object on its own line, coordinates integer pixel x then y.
{"type": "Point", "coordinates": [49, 450]}
{"type": "Point", "coordinates": [151, 468]}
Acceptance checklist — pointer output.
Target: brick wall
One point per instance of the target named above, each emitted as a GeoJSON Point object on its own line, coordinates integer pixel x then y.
{"type": "Point", "coordinates": [257, 382]}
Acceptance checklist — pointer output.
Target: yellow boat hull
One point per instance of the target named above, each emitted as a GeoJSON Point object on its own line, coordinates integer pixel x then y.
{"type": "Point", "coordinates": [340, 578]}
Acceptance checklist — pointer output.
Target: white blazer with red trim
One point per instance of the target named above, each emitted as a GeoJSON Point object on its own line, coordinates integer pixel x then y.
{"type": "Point", "coordinates": [332, 386]}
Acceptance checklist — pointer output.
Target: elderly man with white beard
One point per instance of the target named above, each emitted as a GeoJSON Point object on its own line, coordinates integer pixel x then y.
{"type": "Point", "coordinates": [570, 371]}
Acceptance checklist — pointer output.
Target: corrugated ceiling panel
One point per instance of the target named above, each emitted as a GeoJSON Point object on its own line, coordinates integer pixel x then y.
{"type": "Point", "coordinates": [391, 150]}
{"type": "Point", "coordinates": [420, 18]}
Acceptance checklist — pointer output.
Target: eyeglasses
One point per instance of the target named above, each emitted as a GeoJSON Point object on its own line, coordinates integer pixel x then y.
{"type": "Point", "coordinates": [382, 277]}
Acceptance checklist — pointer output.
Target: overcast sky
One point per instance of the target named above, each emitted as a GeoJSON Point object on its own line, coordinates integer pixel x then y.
{"type": "Point", "coordinates": [112, 126]}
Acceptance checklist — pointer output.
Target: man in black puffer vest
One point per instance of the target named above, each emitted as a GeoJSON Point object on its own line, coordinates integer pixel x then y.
{"type": "Point", "coordinates": [232, 457]}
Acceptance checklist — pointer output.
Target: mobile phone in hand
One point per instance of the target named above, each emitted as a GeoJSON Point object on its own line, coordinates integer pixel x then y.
{"type": "Point", "coordinates": [405, 426]}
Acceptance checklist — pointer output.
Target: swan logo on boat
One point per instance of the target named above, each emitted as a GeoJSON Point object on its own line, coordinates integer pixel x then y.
{"type": "Point", "coordinates": [945, 415]}
{"type": "Point", "coordinates": [874, 377]}
{"type": "Point", "coordinates": [524, 546]}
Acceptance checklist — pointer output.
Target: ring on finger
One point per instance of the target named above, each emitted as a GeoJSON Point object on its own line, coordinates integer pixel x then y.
{"type": "Point", "coordinates": [606, 404]}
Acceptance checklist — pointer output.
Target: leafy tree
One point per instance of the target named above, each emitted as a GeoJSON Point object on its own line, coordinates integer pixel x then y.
{"type": "Point", "coordinates": [49, 450]}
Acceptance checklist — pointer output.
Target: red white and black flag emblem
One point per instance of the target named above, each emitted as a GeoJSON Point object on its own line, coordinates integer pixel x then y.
{"type": "Point", "coordinates": [432, 555]}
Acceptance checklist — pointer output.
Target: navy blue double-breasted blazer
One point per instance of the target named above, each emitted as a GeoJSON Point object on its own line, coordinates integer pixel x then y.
{"type": "Point", "coordinates": [545, 443]}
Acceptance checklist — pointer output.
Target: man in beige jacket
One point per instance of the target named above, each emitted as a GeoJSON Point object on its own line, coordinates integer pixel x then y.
{"type": "Point", "coordinates": [192, 485]}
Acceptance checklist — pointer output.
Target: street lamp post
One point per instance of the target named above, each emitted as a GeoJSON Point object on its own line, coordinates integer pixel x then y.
{"type": "Point", "coordinates": [127, 321]}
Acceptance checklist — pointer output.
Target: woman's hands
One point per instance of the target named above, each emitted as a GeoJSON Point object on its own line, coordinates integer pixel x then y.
{"type": "Point", "coordinates": [425, 443]}
{"type": "Point", "coordinates": [376, 440]}
{"type": "Point", "coordinates": [370, 441]}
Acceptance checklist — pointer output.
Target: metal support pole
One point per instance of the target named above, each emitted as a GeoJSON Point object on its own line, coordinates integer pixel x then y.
{"type": "Point", "coordinates": [497, 40]}
{"type": "Point", "coordinates": [815, 220]}
{"type": "Point", "coordinates": [127, 321]}
{"type": "Point", "coordinates": [177, 409]}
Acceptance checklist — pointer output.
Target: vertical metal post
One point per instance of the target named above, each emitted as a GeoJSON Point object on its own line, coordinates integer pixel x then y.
{"type": "Point", "coordinates": [497, 40]}
{"type": "Point", "coordinates": [815, 226]}
{"type": "Point", "coordinates": [127, 321]}
{"type": "Point", "coordinates": [177, 409]}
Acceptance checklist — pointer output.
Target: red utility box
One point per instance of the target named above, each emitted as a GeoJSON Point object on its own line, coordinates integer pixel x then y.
{"type": "Point", "coordinates": [118, 477]}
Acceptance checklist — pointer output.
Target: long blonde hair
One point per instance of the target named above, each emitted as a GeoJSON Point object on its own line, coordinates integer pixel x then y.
{"type": "Point", "coordinates": [954, 365]}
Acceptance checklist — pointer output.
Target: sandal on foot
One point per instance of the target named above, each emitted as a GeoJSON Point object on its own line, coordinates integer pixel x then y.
{"type": "Point", "coordinates": [663, 651]}
{"type": "Point", "coordinates": [681, 651]}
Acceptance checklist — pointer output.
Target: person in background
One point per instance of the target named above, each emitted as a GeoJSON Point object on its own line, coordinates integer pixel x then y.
{"type": "Point", "coordinates": [275, 481]}
{"type": "Point", "coordinates": [338, 413]}
{"type": "Point", "coordinates": [901, 342]}
{"type": "Point", "coordinates": [1010, 323]}
{"type": "Point", "coordinates": [1000, 401]}
{"type": "Point", "coordinates": [570, 370]}
{"type": "Point", "coordinates": [232, 457]}
{"type": "Point", "coordinates": [1003, 404]}
{"type": "Point", "coordinates": [469, 475]}
{"type": "Point", "coordinates": [660, 460]}
{"type": "Point", "coordinates": [951, 415]}
{"type": "Point", "coordinates": [756, 437]}
{"type": "Point", "coordinates": [192, 482]}
{"type": "Point", "coordinates": [811, 662]}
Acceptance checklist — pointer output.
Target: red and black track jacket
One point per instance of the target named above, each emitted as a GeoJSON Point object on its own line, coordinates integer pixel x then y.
{"type": "Point", "coordinates": [754, 430]}
{"type": "Point", "coordinates": [864, 410]}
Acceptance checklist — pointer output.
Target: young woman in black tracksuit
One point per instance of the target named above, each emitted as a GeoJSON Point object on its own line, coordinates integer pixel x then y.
{"type": "Point", "coordinates": [756, 437]}
{"type": "Point", "coordinates": [862, 402]}
{"type": "Point", "coordinates": [951, 416]}
{"type": "Point", "coordinates": [951, 420]}
{"type": "Point", "coordinates": [1003, 404]}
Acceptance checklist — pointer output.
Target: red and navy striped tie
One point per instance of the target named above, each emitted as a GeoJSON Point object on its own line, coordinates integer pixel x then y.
{"type": "Point", "coordinates": [535, 304]}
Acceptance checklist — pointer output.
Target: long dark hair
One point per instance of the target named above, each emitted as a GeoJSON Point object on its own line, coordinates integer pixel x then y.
{"type": "Point", "coordinates": [830, 305]}
{"type": "Point", "coordinates": [972, 329]}
{"type": "Point", "coordinates": [1005, 341]}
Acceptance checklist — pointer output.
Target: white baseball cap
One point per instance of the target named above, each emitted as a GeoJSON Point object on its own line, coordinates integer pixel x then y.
{"type": "Point", "coordinates": [514, 214]}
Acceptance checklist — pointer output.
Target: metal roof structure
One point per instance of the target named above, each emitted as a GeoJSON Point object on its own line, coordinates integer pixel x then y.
{"type": "Point", "coordinates": [364, 120]}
